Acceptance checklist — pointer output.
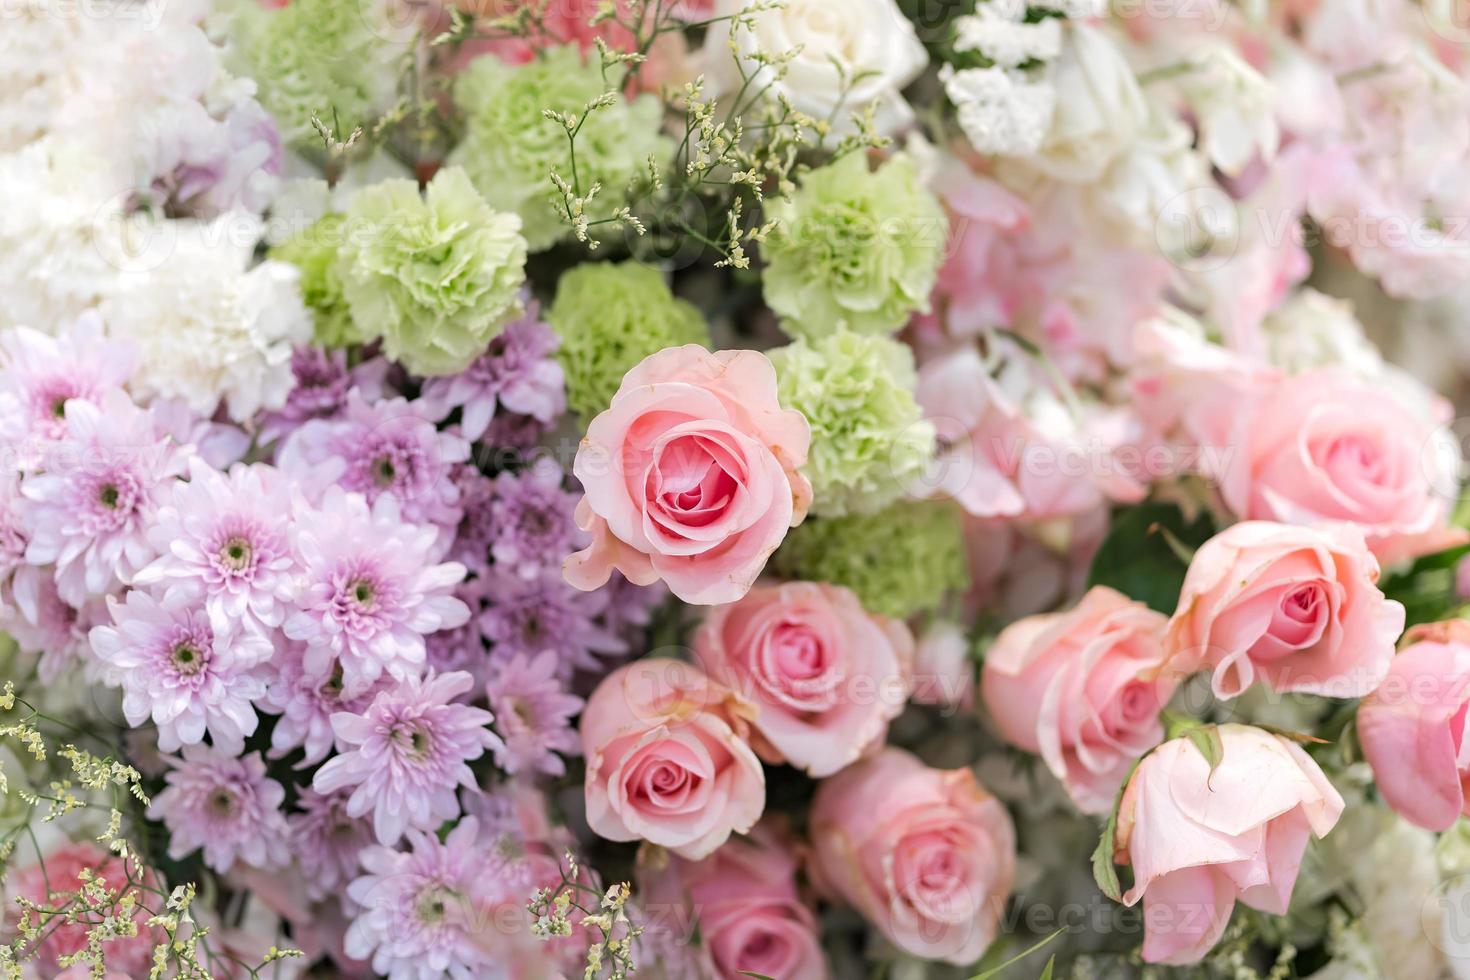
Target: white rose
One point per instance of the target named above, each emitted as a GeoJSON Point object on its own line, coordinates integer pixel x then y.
{"type": "Point", "coordinates": [1100, 110]}
{"type": "Point", "coordinates": [845, 55]}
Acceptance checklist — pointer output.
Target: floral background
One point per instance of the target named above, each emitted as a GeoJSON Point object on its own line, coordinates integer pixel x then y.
{"type": "Point", "coordinates": [734, 488]}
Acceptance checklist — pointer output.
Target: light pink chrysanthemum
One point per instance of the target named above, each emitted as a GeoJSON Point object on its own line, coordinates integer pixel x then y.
{"type": "Point", "coordinates": [306, 700]}
{"type": "Point", "coordinates": [327, 842]}
{"type": "Point", "coordinates": [175, 667]}
{"type": "Point", "coordinates": [533, 714]}
{"type": "Point", "coordinates": [370, 590]}
{"type": "Point", "coordinates": [408, 754]}
{"type": "Point", "coordinates": [40, 374]}
{"type": "Point", "coordinates": [225, 804]}
{"type": "Point", "coordinates": [91, 507]}
{"type": "Point", "coordinates": [421, 910]}
{"type": "Point", "coordinates": [224, 538]}
{"type": "Point", "coordinates": [42, 622]}
{"type": "Point", "coordinates": [384, 448]}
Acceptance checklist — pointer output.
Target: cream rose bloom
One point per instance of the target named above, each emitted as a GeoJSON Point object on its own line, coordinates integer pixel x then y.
{"type": "Point", "coordinates": [845, 56]}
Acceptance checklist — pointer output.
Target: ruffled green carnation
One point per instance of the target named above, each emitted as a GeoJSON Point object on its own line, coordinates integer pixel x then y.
{"type": "Point", "coordinates": [314, 252]}
{"type": "Point", "coordinates": [869, 438]}
{"type": "Point", "coordinates": [900, 561]}
{"type": "Point", "coordinates": [854, 249]}
{"type": "Point", "coordinates": [510, 148]}
{"type": "Point", "coordinates": [437, 276]}
{"type": "Point", "coordinates": [326, 58]}
{"type": "Point", "coordinates": [609, 317]}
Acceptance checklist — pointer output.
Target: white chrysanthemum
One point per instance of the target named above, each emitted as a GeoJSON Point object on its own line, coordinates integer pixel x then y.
{"type": "Point", "coordinates": [207, 326]}
{"type": "Point", "coordinates": [1002, 112]}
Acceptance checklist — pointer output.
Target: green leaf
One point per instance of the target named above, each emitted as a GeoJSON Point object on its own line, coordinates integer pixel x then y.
{"type": "Point", "coordinates": [1051, 966]}
{"type": "Point", "coordinates": [1427, 587]}
{"type": "Point", "coordinates": [1143, 554]}
{"type": "Point", "coordinates": [1104, 871]}
{"type": "Point", "coordinates": [995, 971]}
{"type": "Point", "coordinates": [1207, 739]}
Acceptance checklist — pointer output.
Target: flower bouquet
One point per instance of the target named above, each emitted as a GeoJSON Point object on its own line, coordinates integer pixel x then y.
{"type": "Point", "coordinates": [787, 489]}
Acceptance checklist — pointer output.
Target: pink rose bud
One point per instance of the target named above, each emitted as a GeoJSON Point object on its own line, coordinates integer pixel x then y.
{"type": "Point", "coordinates": [750, 917]}
{"type": "Point", "coordinates": [926, 855]}
{"type": "Point", "coordinates": [1198, 841]}
{"type": "Point", "coordinates": [1327, 447]}
{"type": "Point", "coordinates": [1296, 608]}
{"type": "Point", "coordinates": [691, 475]}
{"type": "Point", "coordinates": [1413, 732]}
{"type": "Point", "coordinates": [667, 760]}
{"type": "Point", "coordinates": [825, 675]}
{"type": "Point", "coordinates": [944, 672]}
{"type": "Point", "coordinates": [1084, 689]}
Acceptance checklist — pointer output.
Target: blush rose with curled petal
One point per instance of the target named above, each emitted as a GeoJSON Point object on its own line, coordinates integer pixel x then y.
{"type": "Point", "coordinates": [691, 476]}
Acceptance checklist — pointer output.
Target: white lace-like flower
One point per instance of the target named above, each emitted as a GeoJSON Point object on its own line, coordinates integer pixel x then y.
{"type": "Point", "coordinates": [998, 31]}
{"type": "Point", "coordinates": [1002, 112]}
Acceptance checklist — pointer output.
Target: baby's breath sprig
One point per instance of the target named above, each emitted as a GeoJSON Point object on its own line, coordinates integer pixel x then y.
{"type": "Point", "coordinates": [554, 910]}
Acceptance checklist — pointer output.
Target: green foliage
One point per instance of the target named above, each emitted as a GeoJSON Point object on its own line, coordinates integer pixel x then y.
{"type": "Point", "coordinates": [1141, 556]}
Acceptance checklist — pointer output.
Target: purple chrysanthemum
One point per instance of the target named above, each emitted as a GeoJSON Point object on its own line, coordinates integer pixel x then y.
{"type": "Point", "coordinates": [175, 667]}
{"type": "Point", "coordinates": [225, 804]}
{"type": "Point", "coordinates": [323, 380]}
{"type": "Point", "coordinates": [532, 516]}
{"type": "Point", "coordinates": [370, 590]}
{"type": "Point", "coordinates": [476, 531]}
{"type": "Point", "coordinates": [305, 700]}
{"type": "Point", "coordinates": [327, 842]}
{"type": "Point", "coordinates": [408, 753]}
{"type": "Point", "coordinates": [420, 910]}
{"type": "Point", "coordinates": [91, 507]}
{"type": "Point", "coordinates": [224, 538]}
{"type": "Point", "coordinates": [386, 448]}
{"type": "Point", "coordinates": [516, 372]}
{"type": "Point", "coordinates": [525, 617]}
{"type": "Point", "coordinates": [533, 714]}
{"type": "Point", "coordinates": [41, 374]}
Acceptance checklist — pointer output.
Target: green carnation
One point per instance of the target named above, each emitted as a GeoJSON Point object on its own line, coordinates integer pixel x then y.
{"type": "Point", "coordinates": [314, 252]}
{"type": "Point", "coordinates": [436, 277]}
{"type": "Point", "coordinates": [854, 249]}
{"type": "Point", "coordinates": [511, 149]}
{"type": "Point", "coordinates": [900, 561]}
{"type": "Point", "coordinates": [869, 438]}
{"type": "Point", "coordinates": [609, 317]}
{"type": "Point", "coordinates": [325, 58]}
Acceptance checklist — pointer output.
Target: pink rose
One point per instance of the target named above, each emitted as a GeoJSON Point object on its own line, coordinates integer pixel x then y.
{"type": "Point", "coordinates": [944, 671]}
{"type": "Point", "coordinates": [749, 914]}
{"type": "Point", "coordinates": [1295, 607]}
{"type": "Point", "coordinates": [1326, 447]}
{"type": "Point", "coordinates": [667, 760]}
{"type": "Point", "coordinates": [1084, 689]}
{"type": "Point", "coordinates": [1413, 733]}
{"type": "Point", "coordinates": [825, 675]}
{"type": "Point", "coordinates": [1197, 840]}
{"type": "Point", "coordinates": [926, 855]}
{"type": "Point", "coordinates": [691, 475]}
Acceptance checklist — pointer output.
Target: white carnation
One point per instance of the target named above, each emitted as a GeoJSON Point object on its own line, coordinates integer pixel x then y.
{"type": "Point", "coordinates": [1100, 109]}
{"type": "Point", "coordinates": [1002, 112]}
{"type": "Point", "coordinates": [63, 237]}
{"type": "Point", "coordinates": [208, 327]}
